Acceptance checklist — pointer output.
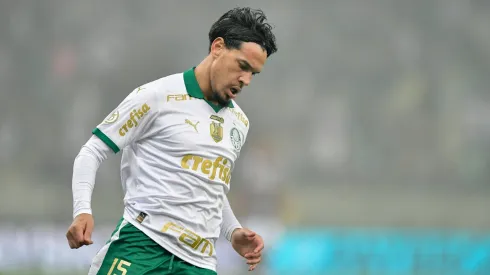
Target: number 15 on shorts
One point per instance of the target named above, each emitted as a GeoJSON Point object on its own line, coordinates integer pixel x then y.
{"type": "Point", "coordinates": [120, 266]}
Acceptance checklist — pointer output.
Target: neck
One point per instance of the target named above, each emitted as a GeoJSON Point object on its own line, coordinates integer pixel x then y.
{"type": "Point", "coordinates": [202, 72]}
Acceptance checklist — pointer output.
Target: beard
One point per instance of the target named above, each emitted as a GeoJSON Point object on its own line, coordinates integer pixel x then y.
{"type": "Point", "coordinates": [222, 100]}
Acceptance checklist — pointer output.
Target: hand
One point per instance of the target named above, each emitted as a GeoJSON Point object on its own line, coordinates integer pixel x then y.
{"type": "Point", "coordinates": [249, 245]}
{"type": "Point", "coordinates": [80, 231]}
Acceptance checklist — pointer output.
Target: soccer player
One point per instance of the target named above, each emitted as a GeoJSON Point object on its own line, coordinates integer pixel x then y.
{"type": "Point", "coordinates": [180, 136]}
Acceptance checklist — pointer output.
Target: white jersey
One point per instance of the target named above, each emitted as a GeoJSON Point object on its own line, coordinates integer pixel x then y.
{"type": "Point", "coordinates": [179, 151]}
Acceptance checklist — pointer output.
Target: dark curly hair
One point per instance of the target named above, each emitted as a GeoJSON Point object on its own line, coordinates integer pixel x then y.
{"type": "Point", "coordinates": [244, 25]}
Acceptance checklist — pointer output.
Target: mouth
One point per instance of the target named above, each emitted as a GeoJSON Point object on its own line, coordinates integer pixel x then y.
{"type": "Point", "coordinates": [232, 92]}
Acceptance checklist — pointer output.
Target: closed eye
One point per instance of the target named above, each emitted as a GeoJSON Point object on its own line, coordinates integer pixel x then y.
{"type": "Point", "coordinates": [245, 66]}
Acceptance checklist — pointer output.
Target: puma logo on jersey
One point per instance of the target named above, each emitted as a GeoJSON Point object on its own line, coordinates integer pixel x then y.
{"type": "Point", "coordinates": [191, 124]}
{"type": "Point", "coordinates": [134, 117]}
{"type": "Point", "coordinates": [220, 167]}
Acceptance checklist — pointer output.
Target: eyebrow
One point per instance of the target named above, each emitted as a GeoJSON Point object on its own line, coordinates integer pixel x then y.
{"type": "Point", "coordinates": [249, 67]}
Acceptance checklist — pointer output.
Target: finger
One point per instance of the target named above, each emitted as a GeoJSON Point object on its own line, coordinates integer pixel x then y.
{"type": "Point", "coordinates": [77, 234]}
{"type": "Point", "coordinates": [87, 236]}
{"type": "Point", "coordinates": [254, 261]}
{"type": "Point", "coordinates": [252, 255]}
{"type": "Point", "coordinates": [252, 267]}
{"type": "Point", "coordinates": [87, 242]}
{"type": "Point", "coordinates": [249, 234]}
{"type": "Point", "coordinates": [74, 245]}
{"type": "Point", "coordinates": [259, 247]}
{"type": "Point", "coordinates": [71, 241]}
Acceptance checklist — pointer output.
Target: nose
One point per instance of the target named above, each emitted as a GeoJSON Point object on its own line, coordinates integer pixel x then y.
{"type": "Point", "coordinates": [245, 79]}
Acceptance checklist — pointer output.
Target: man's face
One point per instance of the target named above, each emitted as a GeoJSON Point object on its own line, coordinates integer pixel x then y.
{"type": "Point", "coordinates": [232, 69]}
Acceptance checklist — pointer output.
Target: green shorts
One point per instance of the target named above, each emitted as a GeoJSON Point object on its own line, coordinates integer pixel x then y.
{"type": "Point", "coordinates": [131, 252]}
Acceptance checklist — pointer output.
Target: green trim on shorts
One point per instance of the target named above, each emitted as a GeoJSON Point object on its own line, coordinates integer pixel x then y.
{"type": "Point", "coordinates": [134, 253]}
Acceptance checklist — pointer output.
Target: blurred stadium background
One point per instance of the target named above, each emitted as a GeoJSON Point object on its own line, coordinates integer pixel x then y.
{"type": "Point", "coordinates": [369, 151]}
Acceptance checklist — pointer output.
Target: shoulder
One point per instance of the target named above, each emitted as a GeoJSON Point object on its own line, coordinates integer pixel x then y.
{"type": "Point", "coordinates": [164, 86]}
{"type": "Point", "coordinates": [160, 89]}
{"type": "Point", "coordinates": [240, 115]}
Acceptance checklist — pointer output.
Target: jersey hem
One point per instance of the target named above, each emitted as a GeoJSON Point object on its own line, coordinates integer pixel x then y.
{"type": "Point", "coordinates": [166, 245]}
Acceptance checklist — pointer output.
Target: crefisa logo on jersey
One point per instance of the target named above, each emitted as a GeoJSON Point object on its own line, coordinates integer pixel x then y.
{"type": "Point", "coordinates": [213, 168]}
{"type": "Point", "coordinates": [236, 139]}
{"type": "Point", "coordinates": [134, 117]}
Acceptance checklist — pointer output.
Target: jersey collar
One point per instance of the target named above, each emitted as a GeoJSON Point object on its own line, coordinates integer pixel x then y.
{"type": "Point", "coordinates": [194, 90]}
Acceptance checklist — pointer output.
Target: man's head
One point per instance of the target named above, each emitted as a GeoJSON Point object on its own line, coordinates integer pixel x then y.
{"type": "Point", "coordinates": [240, 42]}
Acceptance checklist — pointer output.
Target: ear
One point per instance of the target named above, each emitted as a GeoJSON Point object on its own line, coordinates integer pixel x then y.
{"type": "Point", "coordinates": [217, 47]}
